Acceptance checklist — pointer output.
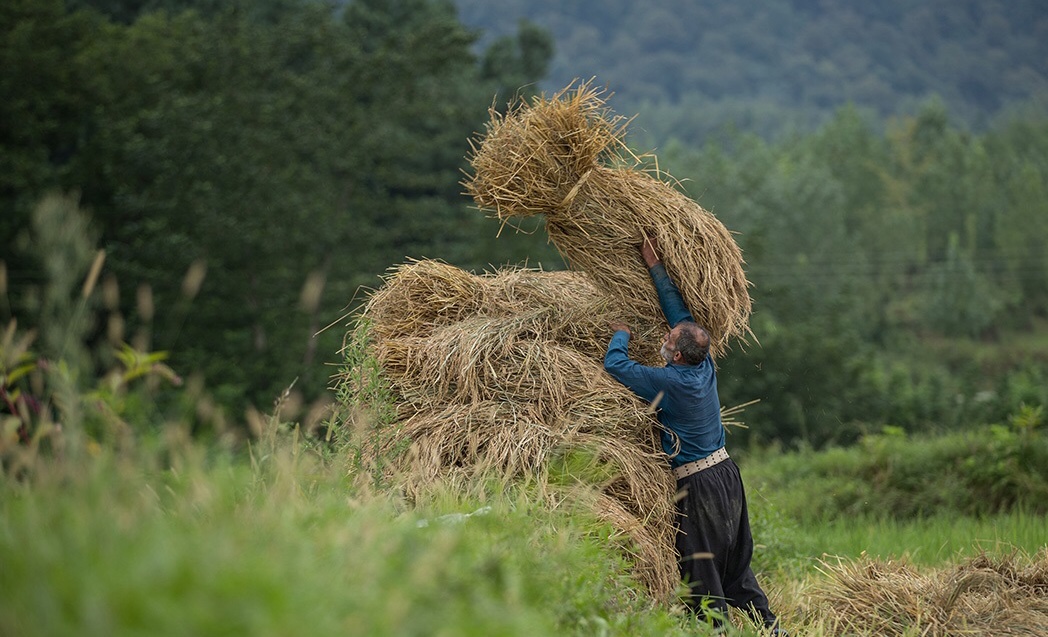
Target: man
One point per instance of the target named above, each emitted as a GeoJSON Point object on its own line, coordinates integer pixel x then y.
{"type": "Point", "coordinates": [713, 528]}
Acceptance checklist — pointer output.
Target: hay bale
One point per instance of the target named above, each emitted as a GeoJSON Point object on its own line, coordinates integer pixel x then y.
{"type": "Point", "coordinates": [645, 545]}
{"type": "Point", "coordinates": [501, 372]}
{"type": "Point", "coordinates": [467, 442]}
{"type": "Point", "coordinates": [565, 158]}
{"type": "Point", "coordinates": [421, 296]}
{"type": "Point", "coordinates": [418, 296]}
{"type": "Point", "coordinates": [493, 359]}
{"type": "Point", "coordinates": [984, 595]}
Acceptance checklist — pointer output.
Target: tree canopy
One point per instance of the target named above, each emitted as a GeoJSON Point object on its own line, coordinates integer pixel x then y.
{"type": "Point", "coordinates": [771, 66]}
{"type": "Point", "coordinates": [273, 144]}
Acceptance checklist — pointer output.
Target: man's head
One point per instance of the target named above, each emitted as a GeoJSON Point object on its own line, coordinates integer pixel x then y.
{"type": "Point", "coordinates": [685, 344]}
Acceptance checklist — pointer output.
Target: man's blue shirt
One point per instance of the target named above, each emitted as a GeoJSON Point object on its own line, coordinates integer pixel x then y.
{"type": "Point", "coordinates": [689, 406]}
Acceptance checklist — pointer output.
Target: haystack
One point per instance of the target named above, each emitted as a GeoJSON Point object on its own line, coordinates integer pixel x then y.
{"type": "Point", "coordinates": [566, 158]}
{"type": "Point", "coordinates": [502, 372]}
{"type": "Point", "coordinates": [985, 595]}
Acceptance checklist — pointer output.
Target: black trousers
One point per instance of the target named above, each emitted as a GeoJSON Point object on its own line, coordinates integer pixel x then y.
{"type": "Point", "coordinates": [715, 544]}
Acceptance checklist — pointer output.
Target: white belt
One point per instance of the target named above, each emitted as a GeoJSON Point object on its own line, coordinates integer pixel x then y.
{"type": "Point", "coordinates": [692, 468]}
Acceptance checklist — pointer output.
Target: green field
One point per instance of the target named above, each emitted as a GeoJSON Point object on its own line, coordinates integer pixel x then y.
{"type": "Point", "coordinates": [171, 536]}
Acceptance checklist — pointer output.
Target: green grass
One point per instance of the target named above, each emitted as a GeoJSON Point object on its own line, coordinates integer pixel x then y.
{"type": "Point", "coordinates": [977, 473]}
{"type": "Point", "coordinates": [174, 537]}
{"type": "Point", "coordinates": [931, 541]}
{"type": "Point", "coordinates": [894, 496]}
{"type": "Point", "coordinates": [289, 544]}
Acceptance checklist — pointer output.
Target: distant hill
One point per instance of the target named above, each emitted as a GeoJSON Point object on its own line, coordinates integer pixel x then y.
{"type": "Point", "coordinates": [690, 67]}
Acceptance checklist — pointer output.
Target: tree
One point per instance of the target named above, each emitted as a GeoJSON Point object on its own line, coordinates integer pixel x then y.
{"type": "Point", "coordinates": [42, 113]}
{"type": "Point", "coordinates": [292, 149]}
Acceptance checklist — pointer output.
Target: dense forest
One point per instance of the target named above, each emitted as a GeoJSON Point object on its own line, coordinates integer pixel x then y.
{"type": "Point", "coordinates": [250, 168]}
{"type": "Point", "coordinates": [688, 68]}
{"type": "Point", "coordinates": [261, 145]}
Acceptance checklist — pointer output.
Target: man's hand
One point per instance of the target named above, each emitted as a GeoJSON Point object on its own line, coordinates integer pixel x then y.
{"type": "Point", "coordinates": [619, 326]}
{"type": "Point", "coordinates": [649, 251]}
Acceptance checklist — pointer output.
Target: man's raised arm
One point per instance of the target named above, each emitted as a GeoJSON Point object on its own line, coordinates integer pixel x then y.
{"type": "Point", "coordinates": [670, 299]}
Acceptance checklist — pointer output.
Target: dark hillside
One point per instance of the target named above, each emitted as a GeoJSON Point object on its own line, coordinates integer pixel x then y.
{"type": "Point", "coordinates": [769, 66]}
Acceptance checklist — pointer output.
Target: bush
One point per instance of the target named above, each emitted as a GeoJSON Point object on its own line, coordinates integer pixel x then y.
{"type": "Point", "coordinates": [994, 469]}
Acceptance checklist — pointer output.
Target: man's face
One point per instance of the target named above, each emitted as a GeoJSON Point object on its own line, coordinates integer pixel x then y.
{"type": "Point", "coordinates": [669, 344]}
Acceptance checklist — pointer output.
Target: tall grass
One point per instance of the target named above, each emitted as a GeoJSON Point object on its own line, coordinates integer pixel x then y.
{"type": "Point", "coordinates": [930, 541]}
{"type": "Point", "coordinates": [176, 538]}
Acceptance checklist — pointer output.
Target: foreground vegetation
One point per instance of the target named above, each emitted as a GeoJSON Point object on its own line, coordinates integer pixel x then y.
{"type": "Point", "coordinates": [124, 510]}
{"type": "Point", "coordinates": [172, 535]}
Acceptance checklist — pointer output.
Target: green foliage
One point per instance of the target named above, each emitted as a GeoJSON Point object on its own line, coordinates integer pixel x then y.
{"type": "Point", "coordinates": [172, 537]}
{"type": "Point", "coordinates": [42, 107]}
{"type": "Point", "coordinates": [892, 474]}
{"type": "Point", "coordinates": [62, 239]}
{"type": "Point", "coordinates": [17, 363]}
{"type": "Point", "coordinates": [292, 148]}
{"type": "Point", "coordinates": [360, 384]}
{"type": "Point", "coordinates": [879, 265]}
{"type": "Point", "coordinates": [961, 301]}
{"type": "Point", "coordinates": [1028, 419]}
{"type": "Point", "coordinates": [64, 389]}
{"type": "Point", "coordinates": [364, 419]}
{"type": "Point", "coordinates": [45, 403]}
{"type": "Point", "coordinates": [773, 67]}
{"type": "Point", "coordinates": [516, 62]}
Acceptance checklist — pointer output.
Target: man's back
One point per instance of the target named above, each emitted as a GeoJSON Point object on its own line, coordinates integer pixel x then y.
{"type": "Point", "coordinates": [688, 406]}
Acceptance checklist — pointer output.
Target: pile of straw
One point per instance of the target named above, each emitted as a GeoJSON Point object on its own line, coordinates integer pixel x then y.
{"type": "Point", "coordinates": [983, 596]}
{"type": "Point", "coordinates": [503, 372]}
{"type": "Point", "coordinates": [500, 373]}
{"type": "Point", "coordinates": [565, 158]}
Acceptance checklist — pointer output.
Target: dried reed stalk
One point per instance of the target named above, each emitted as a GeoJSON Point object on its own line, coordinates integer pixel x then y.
{"type": "Point", "coordinates": [981, 596]}
{"type": "Point", "coordinates": [565, 158]}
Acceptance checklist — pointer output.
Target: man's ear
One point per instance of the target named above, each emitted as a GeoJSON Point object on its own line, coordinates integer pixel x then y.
{"type": "Point", "coordinates": [678, 357]}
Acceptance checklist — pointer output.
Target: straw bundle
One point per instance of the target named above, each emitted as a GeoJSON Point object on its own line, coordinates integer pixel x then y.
{"type": "Point", "coordinates": [565, 158]}
{"type": "Point", "coordinates": [982, 596]}
{"type": "Point", "coordinates": [503, 372]}
{"type": "Point", "coordinates": [421, 296]}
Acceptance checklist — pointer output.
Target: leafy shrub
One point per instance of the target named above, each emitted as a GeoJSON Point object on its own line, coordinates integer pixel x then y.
{"type": "Point", "coordinates": [993, 469]}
